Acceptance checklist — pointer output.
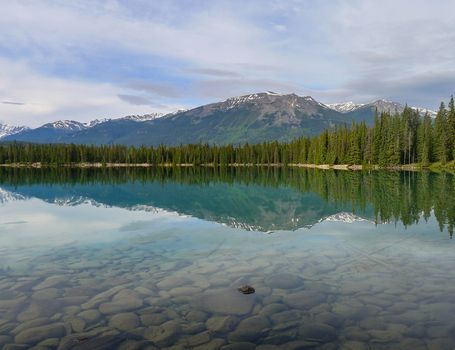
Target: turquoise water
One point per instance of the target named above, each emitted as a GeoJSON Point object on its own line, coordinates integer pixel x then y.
{"type": "Point", "coordinates": [145, 259]}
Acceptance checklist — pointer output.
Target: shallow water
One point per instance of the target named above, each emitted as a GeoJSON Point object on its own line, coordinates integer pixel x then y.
{"type": "Point", "coordinates": [153, 259]}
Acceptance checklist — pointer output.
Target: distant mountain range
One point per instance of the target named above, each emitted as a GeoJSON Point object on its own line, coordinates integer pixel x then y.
{"type": "Point", "coordinates": [251, 118]}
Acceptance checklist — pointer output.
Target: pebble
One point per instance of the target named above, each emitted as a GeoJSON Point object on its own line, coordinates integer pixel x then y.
{"type": "Point", "coordinates": [124, 321]}
{"type": "Point", "coordinates": [250, 329]}
{"type": "Point", "coordinates": [284, 281]}
{"type": "Point", "coordinates": [36, 334]}
{"type": "Point", "coordinates": [227, 301]}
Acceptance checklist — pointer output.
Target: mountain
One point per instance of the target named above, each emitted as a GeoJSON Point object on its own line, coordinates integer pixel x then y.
{"type": "Point", "coordinates": [344, 107]}
{"type": "Point", "coordinates": [365, 112]}
{"type": "Point", "coordinates": [9, 130]}
{"type": "Point", "coordinates": [73, 131]}
{"type": "Point", "coordinates": [250, 118]}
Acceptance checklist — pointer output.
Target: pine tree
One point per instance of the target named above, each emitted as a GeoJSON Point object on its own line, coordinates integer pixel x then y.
{"type": "Point", "coordinates": [440, 135]}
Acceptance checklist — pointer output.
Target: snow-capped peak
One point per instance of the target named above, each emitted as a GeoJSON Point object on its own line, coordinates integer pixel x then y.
{"type": "Point", "coordinates": [344, 107]}
{"type": "Point", "coordinates": [70, 125]}
{"type": "Point", "coordinates": [143, 118]}
{"type": "Point", "coordinates": [92, 123]}
{"type": "Point", "coordinates": [423, 111]}
{"type": "Point", "coordinates": [7, 130]}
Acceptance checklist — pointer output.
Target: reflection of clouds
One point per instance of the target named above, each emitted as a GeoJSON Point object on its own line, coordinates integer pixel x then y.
{"type": "Point", "coordinates": [47, 225]}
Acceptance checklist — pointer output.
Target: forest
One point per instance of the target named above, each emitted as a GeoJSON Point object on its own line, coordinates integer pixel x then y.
{"type": "Point", "coordinates": [394, 139]}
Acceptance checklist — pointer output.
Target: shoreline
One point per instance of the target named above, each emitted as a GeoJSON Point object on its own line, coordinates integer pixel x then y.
{"type": "Point", "coordinates": [347, 167]}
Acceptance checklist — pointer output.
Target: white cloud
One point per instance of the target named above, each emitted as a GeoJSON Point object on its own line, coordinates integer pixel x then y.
{"type": "Point", "coordinates": [333, 50]}
{"type": "Point", "coordinates": [47, 98]}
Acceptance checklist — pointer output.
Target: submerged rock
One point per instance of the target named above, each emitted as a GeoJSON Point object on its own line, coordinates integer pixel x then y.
{"type": "Point", "coordinates": [226, 301]}
{"type": "Point", "coordinates": [37, 334]}
{"type": "Point", "coordinates": [246, 289]}
{"type": "Point", "coordinates": [284, 281]}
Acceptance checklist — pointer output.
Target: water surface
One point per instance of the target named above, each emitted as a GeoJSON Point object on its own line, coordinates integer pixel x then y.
{"type": "Point", "coordinates": [152, 258]}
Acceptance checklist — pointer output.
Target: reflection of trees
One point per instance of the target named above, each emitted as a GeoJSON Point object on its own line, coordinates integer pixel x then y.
{"type": "Point", "coordinates": [405, 197]}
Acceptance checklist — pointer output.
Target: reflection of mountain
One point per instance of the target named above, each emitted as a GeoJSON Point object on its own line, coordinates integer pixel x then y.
{"type": "Point", "coordinates": [259, 198]}
{"type": "Point", "coordinates": [251, 207]}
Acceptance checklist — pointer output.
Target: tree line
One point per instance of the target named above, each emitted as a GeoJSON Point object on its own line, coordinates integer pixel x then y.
{"type": "Point", "coordinates": [394, 139]}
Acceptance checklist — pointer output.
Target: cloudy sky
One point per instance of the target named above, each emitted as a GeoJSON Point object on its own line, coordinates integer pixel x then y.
{"type": "Point", "coordinates": [84, 59]}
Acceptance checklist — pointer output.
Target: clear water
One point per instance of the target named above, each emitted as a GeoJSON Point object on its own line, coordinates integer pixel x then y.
{"type": "Point", "coordinates": [145, 259]}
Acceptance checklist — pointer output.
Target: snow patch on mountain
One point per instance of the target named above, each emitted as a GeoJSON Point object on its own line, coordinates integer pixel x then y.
{"type": "Point", "coordinates": [7, 196]}
{"type": "Point", "coordinates": [345, 217]}
{"type": "Point", "coordinates": [143, 118]}
{"type": "Point", "coordinates": [70, 125]}
{"type": "Point", "coordinates": [344, 107]}
{"type": "Point", "coordinates": [424, 111]}
{"type": "Point", "coordinates": [8, 130]}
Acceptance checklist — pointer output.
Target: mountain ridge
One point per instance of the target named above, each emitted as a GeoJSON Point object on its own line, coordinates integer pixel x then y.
{"type": "Point", "coordinates": [253, 118]}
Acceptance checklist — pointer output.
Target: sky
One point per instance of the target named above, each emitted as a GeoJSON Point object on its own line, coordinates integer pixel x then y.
{"type": "Point", "coordinates": [83, 60]}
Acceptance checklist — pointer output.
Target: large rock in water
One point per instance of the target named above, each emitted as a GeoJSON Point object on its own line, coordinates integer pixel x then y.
{"type": "Point", "coordinates": [227, 302]}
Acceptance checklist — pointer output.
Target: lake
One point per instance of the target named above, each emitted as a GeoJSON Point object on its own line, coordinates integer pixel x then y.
{"type": "Point", "coordinates": [153, 258]}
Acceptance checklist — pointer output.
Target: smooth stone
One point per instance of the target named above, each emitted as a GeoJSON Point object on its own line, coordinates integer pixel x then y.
{"type": "Point", "coordinates": [250, 329]}
{"type": "Point", "coordinates": [354, 333]}
{"type": "Point", "coordinates": [441, 344]}
{"type": "Point", "coordinates": [77, 324]}
{"type": "Point", "coordinates": [329, 318]}
{"type": "Point", "coordinates": [51, 281]}
{"type": "Point", "coordinates": [350, 311]}
{"type": "Point", "coordinates": [284, 281]}
{"type": "Point", "coordinates": [214, 344]}
{"type": "Point", "coordinates": [136, 345]}
{"type": "Point", "coordinates": [304, 299]}
{"type": "Point", "coordinates": [271, 309]}
{"type": "Point", "coordinates": [164, 334]}
{"type": "Point", "coordinates": [226, 301]}
{"type": "Point", "coordinates": [30, 324]}
{"type": "Point", "coordinates": [8, 304]}
{"type": "Point", "coordinates": [37, 334]}
{"type": "Point", "coordinates": [124, 321]}
{"type": "Point", "coordinates": [386, 336]}
{"type": "Point", "coordinates": [239, 346]}
{"type": "Point", "coordinates": [34, 310]}
{"type": "Point", "coordinates": [72, 310]}
{"type": "Point", "coordinates": [184, 291]}
{"type": "Point", "coordinates": [196, 316]}
{"type": "Point", "coordinates": [101, 297]}
{"type": "Point", "coordinates": [193, 328]}
{"type": "Point", "coordinates": [5, 339]}
{"type": "Point", "coordinates": [45, 294]}
{"type": "Point", "coordinates": [221, 324]}
{"type": "Point", "coordinates": [318, 332]}
{"type": "Point", "coordinates": [286, 316]}
{"type": "Point", "coordinates": [353, 345]}
{"type": "Point", "coordinates": [372, 323]}
{"type": "Point", "coordinates": [90, 315]}
{"type": "Point", "coordinates": [413, 343]}
{"type": "Point", "coordinates": [300, 345]}
{"type": "Point", "coordinates": [173, 282]}
{"type": "Point", "coordinates": [153, 319]}
{"type": "Point", "coordinates": [199, 339]}
{"type": "Point", "coordinates": [51, 342]}
{"type": "Point", "coordinates": [125, 300]}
